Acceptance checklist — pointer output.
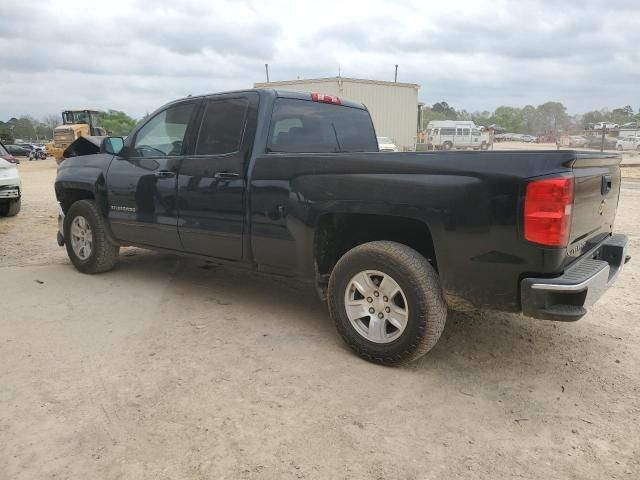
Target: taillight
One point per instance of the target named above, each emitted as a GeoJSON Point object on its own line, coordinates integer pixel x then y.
{"type": "Point", "coordinates": [547, 211]}
{"type": "Point", "coordinates": [322, 98]}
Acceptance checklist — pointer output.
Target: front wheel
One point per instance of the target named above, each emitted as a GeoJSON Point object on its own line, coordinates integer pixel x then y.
{"type": "Point", "coordinates": [484, 146]}
{"type": "Point", "coordinates": [10, 208]}
{"type": "Point", "coordinates": [387, 303]}
{"type": "Point", "coordinates": [86, 240]}
{"type": "Point", "coordinates": [447, 146]}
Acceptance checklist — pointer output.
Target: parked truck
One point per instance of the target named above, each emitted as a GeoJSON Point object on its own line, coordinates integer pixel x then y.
{"type": "Point", "coordinates": [293, 184]}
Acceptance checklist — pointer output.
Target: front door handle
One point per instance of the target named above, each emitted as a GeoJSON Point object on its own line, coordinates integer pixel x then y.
{"type": "Point", "coordinates": [226, 175]}
{"type": "Point", "coordinates": [606, 184]}
{"type": "Point", "coordinates": [164, 174]}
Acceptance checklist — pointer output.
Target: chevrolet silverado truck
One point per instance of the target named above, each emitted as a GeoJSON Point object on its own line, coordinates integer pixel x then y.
{"type": "Point", "coordinates": [293, 184]}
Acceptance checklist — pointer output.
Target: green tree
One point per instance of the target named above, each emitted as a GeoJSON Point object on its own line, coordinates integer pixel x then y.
{"type": "Point", "coordinates": [444, 108]}
{"type": "Point", "coordinates": [531, 119]}
{"type": "Point", "coordinates": [553, 117]}
{"type": "Point", "coordinates": [6, 136]}
{"type": "Point", "coordinates": [509, 118]}
{"type": "Point", "coordinates": [118, 123]}
{"type": "Point", "coordinates": [482, 119]}
{"type": "Point", "coordinates": [24, 128]}
{"type": "Point", "coordinates": [592, 117]}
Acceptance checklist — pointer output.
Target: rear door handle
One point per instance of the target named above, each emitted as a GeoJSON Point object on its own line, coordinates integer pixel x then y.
{"type": "Point", "coordinates": [164, 174]}
{"type": "Point", "coordinates": [226, 175]}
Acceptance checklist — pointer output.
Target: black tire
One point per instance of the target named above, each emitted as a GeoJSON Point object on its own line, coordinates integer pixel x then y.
{"type": "Point", "coordinates": [10, 208]}
{"type": "Point", "coordinates": [421, 287]}
{"type": "Point", "coordinates": [447, 146]}
{"type": "Point", "coordinates": [103, 253]}
{"type": "Point", "coordinates": [484, 146]}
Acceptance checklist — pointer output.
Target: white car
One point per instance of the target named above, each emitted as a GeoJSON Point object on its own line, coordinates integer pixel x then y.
{"type": "Point", "coordinates": [10, 185]}
{"type": "Point", "coordinates": [605, 125]}
{"type": "Point", "coordinates": [386, 145]}
{"type": "Point", "coordinates": [628, 143]}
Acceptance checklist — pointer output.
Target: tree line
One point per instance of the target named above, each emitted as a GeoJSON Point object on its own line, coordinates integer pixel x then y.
{"type": "Point", "coordinates": [546, 118]}
{"type": "Point", "coordinates": [29, 129]}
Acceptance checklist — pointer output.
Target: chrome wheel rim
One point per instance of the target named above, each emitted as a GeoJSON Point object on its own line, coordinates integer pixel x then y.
{"type": "Point", "coordinates": [376, 306]}
{"type": "Point", "coordinates": [81, 237]}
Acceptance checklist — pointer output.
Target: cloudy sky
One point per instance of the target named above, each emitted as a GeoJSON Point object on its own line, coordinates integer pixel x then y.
{"type": "Point", "coordinates": [136, 55]}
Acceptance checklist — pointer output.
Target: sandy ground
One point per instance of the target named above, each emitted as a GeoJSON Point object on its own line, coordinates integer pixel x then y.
{"type": "Point", "coordinates": [168, 368]}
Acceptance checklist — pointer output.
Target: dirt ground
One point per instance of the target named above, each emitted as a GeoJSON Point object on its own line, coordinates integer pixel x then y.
{"type": "Point", "coordinates": [169, 368]}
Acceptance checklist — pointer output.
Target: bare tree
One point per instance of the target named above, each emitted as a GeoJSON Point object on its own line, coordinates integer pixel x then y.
{"type": "Point", "coordinates": [52, 120]}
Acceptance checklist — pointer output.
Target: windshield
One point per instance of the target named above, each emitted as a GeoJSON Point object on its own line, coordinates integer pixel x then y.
{"type": "Point", "coordinates": [71, 118]}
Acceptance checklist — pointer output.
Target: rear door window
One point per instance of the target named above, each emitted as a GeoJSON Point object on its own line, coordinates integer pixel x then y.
{"type": "Point", "coordinates": [222, 126]}
{"type": "Point", "coordinates": [301, 126]}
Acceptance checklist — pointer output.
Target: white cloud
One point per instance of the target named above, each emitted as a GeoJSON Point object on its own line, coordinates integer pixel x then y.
{"type": "Point", "coordinates": [134, 56]}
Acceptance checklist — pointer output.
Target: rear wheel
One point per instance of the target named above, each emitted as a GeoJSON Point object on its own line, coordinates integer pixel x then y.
{"type": "Point", "coordinates": [447, 146]}
{"type": "Point", "coordinates": [484, 146]}
{"type": "Point", "coordinates": [86, 240]}
{"type": "Point", "coordinates": [386, 301]}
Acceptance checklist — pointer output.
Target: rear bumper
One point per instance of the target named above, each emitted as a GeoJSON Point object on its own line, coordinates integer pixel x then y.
{"type": "Point", "coordinates": [567, 297]}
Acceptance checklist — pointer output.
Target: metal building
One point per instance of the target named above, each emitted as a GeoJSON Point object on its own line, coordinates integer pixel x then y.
{"type": "Point", "coordinates": [393, 105]}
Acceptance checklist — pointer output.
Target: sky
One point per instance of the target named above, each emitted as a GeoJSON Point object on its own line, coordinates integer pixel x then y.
{"type": "Point", "coordinates": [137, 55]}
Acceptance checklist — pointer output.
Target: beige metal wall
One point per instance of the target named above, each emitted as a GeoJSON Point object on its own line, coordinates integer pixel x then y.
{"type": "Point", "coordinates": [393, 106]}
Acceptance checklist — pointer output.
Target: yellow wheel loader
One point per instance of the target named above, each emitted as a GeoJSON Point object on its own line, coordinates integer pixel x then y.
{"type": "Point", "coordinates": [75, 124]}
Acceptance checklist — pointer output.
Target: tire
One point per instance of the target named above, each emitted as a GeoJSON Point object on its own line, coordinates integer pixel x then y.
{"type": "Point", "coordinates": [42, 155]}
{"type": "Point", "coordinates": [101, 255]}
{"type": "Point", "coordinates": [420, 291]}
{"type": "Point", "coordinates": [484, 146]}
{"type": "Point", "coordinates": [619, 148]}
{"type": "Point", "coordinates": [447, 146]}
{"type": "Point", "coordinates": [10, 208]}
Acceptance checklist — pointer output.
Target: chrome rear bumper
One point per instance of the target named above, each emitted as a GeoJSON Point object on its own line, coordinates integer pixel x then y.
{"type": "Point", "coordinates": [567, 297]}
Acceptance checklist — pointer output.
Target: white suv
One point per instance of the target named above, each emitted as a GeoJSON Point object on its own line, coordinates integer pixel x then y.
{"type": "Point", "coordinates": [10, 184]}
{"type": "Point", "coordinates": [628, 143]}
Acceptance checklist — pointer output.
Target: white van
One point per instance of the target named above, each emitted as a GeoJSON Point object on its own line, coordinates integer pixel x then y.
{"type": "Point", "coordinates": [449, 134]}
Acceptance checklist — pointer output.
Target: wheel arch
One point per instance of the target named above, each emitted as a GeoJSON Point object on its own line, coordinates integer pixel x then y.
{"type": "Point", "coordinates": [337, 233]}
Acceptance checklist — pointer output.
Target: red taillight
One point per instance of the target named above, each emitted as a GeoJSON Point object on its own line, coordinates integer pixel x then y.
{"type": "Point", "coordinates": [547, 211]}
{"type": "Point", "coordinates": [322, 98]}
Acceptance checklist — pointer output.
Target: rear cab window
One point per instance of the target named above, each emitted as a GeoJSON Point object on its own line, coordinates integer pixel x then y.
{"type": "Point", "coordinates": [303, 126]}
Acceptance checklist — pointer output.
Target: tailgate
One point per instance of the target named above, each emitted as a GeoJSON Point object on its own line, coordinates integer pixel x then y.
{"type": "Point", "coordinates": [596, 192]}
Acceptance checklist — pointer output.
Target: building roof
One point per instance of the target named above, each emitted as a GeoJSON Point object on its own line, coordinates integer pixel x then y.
{"type": "Point", "coordinates": [334, 79]}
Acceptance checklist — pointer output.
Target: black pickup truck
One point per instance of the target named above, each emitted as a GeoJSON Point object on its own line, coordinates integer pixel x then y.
{"type": "Point", "coordinates": [293, 184]}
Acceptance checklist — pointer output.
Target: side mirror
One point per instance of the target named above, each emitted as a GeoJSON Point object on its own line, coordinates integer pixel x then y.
{"type": "Point", "coordinates": [112, 145]}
